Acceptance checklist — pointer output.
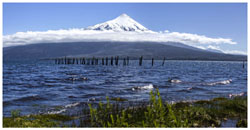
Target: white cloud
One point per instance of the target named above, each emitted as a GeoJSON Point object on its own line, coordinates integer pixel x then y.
{"type": "Point", "coordinates": [214, 47]}
{"type": "Point", "coordinates": [200, 47]}
{"type": "Point", "coordinates": [237, 52]}
{"type": "Point", "coordinates": [197, 39]}
{"type": "Point", "coordinates": [77, 35]}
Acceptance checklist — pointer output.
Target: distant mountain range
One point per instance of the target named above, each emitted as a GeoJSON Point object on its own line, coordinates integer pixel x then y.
{"type": "Point", "coordinates": [123, 23]}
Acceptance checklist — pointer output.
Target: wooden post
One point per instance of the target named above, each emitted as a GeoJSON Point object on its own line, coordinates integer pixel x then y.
{"type": "Point", "coordinates": [111, 60]}
{"type": "Point", "coordinates": [83, 60]}
{"type": "Point", "coordinates": [140, 61]}
{"type": "Point", "coordinates": [92, 62]}
{"type": "Point", "coordinates": [243, 65]}
{"type": "Point", "coordinates": [152, 61]}
{"type": "Point", "coordinates": [55, 61]}
{"type": "Point", "coordinates": [102, 61]}
{"type": "Point", "coordinates": [124, 62]}
{"type": "Point", "coordinates": [65, 62]}
{"type": "Point", "coordinates": [96, 61]}
{"type": "Point", "coordinates": [127, 60]}
{"type": "Point", "coordinates": [117, 60]}
{"type": "Point", "coordinates": [163, 61]}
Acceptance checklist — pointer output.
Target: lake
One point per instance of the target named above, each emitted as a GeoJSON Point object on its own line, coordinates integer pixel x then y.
{"type": "Point", "coordinates": [45, 87]}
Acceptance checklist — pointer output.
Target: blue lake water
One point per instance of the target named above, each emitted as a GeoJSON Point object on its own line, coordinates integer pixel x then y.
{"type": "Point", "coordinates": [44, 87]}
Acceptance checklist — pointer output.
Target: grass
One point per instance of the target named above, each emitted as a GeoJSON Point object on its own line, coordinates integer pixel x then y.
{"type": "Point", "coordinates": [50, 120]}
{"type": "Point", "coordinates": [155, 113]}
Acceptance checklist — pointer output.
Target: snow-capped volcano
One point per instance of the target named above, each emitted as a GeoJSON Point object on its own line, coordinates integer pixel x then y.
{"type": "Point", "coordinates": [121, 23]}
{"type": "Point", "coordinates": [121, 29]}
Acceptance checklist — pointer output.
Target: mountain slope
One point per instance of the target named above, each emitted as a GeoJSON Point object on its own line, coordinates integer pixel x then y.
{"type": "Point", "coordinates": [102, 49]}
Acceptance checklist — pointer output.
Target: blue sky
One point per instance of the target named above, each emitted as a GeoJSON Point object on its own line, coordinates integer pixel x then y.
{"type": "Point", "coordinates": [213, 20]}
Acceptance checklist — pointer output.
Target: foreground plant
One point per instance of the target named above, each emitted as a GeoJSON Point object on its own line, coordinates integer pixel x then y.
{"type": "Point", "coordinates": [161, 114]}
{"type": "Point", "coordinates": [51, 120]}
{"type": "Point", "coordinates": [155, 113]}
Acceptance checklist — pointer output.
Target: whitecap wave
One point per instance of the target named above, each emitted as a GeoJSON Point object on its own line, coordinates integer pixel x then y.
{"type": "Point", "coordinates": [175, 81]}
{"type": "Point", "coordinates": [72, 105]}
{"type": "Point", "coordinates": [64, 109]}
{"type": "Point", "coordinates": [91, 99]}
{"type": "Point", "coordinates": [146, 87]}
{"type": "Point", "coordinates": [57, 112]}
{"type": "Point", "coordinates": [223, 82]}
{"type": "Point", "coordinates": [236, 95]}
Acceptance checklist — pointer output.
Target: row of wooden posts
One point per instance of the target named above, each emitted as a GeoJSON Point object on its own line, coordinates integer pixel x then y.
{"type": "Point", "coordinates": [95, 61]}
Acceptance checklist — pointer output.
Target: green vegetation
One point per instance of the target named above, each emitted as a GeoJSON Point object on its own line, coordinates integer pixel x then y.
{"type": "Point", "coordinates": [50, 120]}
{"type": "Point", "coordinates": [183, 114]}
{"type": "Point", "coordinates": [156, 113]}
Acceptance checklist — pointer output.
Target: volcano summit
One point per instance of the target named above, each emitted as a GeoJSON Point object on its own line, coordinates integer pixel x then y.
{"type": "Point", "coordinates": [121, 36]}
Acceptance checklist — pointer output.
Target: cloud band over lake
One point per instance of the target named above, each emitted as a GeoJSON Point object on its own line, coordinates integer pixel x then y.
{"type": "Point", "coordinates": [82, 35]}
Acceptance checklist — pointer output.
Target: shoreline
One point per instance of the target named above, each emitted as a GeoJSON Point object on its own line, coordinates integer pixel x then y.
{"type": "Point", "coordinates": [216, 112]}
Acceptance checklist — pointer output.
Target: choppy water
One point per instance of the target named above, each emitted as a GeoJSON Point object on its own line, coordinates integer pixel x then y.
{"type": "Point", "coordinates": [43, 87]}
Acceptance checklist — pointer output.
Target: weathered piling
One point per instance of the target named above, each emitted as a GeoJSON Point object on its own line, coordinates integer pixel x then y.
{"type": "Point", "coordinates": [140, 61]}
{"type": "Point", "coordinates": [163, 61]}
{"type": "Point", "coordinates": [107, 60]}
{"type": "Point", "coordinates": [69, 60]}
{"type": "Point", "coordinates": [102, 61]}
{"type": "Point", "coordinates": [83, 60]}
{"type": "Point", "coordinates": [88, 61]}
{"type": "Point", "coordinates": [243, 65]}
{"type": "Point", "coordinates": [127, 60]}
{"type": "Point", "coordinates": [117, 60]}
{"type": "Point", "coordinates": [111, 60]}
{"type": "Point", "coordinates": [96, 61]}
{"type": "Point", "coordinates": [114, 60]}
{"type": "Point", "coordinates": [92, 62]}
{"type": "Point", "coordinates": [124, 62]}
{"type": "Point", "coordinates": [59, 61]}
